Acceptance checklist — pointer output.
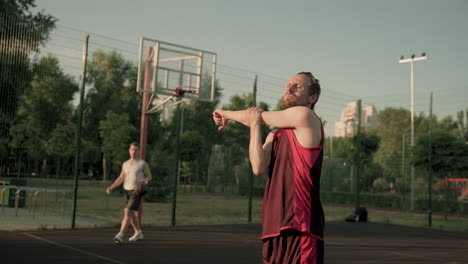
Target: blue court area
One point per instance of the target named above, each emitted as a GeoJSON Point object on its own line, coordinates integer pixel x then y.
{"type": "Point", "coordinates": [345, 243]}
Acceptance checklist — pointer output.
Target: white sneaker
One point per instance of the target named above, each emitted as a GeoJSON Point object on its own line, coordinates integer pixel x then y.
{"type": "Point", "coordinates": [118, 238]}
{"type": "Point", "coordinates": [136, 236]}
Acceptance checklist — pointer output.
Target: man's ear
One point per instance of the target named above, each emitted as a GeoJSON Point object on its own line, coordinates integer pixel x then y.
{"type": "Point", "coordinates": [313, 98]}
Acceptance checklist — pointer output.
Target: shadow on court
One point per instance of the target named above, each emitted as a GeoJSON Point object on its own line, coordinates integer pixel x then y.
{"type": "Point", "coordinates": [345, 243]}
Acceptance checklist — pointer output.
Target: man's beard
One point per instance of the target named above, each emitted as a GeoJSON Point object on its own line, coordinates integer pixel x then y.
{"type": "Point", "coordinates": [287, 103]}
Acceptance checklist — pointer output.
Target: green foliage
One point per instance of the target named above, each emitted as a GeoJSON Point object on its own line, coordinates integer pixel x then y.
{"type": "Point", "coordinates": [237, 154]}
{"type": "Point", "coordinates": [116, 133]}
{"type": "Point", "coordinates": [448, 153]}
{"type": "Point", "coordinates": [161, 164]}
{"type": "Point", "coordinates": [191, 145]}
{"type": "Point", "coordinates": [279, 105]}
{"type": "Point", "coordinates": [158, 191]}
{"type": "Point", "coordinates": [342, 149]}
{"type": "Point", "coordinates": [462, 125]}
{"type": "Point", "coordinates": [393, 201]}
{"type": "Point", "coordinates": [60, 141]}
{"type": "Point", "coordinates": [43, 107]}
{"type": "Point", "coordinates": [112, 84]}
{"type": "Point", "coordinates": [369, 143]}
{"type": "Point", "coordinates": [443, 206]}
{"type": "Point", "coordinates": [90, 152]}
{"type": "Point", "coordinates": [25, 31]}
{"type": "Point", "coordinates": [381, 184]}
{"type": "Point", "coordinates": [394, 123]}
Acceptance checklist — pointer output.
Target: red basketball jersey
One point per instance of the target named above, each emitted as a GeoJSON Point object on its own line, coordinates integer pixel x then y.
{"type": "Point", "coordinates": [292, 192]}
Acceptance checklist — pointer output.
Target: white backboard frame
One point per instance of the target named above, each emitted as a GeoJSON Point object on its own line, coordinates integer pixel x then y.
{"type": "Point", "coordinates": [169, 65]}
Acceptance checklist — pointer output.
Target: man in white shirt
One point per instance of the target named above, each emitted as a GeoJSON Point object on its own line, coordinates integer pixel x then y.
{"type": "Point", "coordinates": [134, 175]}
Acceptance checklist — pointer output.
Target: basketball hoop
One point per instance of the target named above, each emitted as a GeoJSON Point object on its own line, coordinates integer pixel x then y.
{"type": "Point", "coordinates": [179, 91]}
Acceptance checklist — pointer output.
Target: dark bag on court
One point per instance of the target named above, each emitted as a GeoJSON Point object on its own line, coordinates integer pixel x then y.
{"type": "Point", "coordinates": [360, 215]}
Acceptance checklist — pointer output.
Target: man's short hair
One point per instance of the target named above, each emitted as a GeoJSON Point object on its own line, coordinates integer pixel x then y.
{"type": "Point", "coordinates": [314, 86]}
{"type": "Point", "coordinates": [134, 143]}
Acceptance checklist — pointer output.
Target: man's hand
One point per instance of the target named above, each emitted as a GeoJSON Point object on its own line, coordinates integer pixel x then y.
{"type": "Point", "coordinates": [220, 119]}
{"type": "Point", "coordinates": [108, 190]}
{"type": "Point", "coordinates": [254, 116]}
{"type": "Point", "coordinates": [139, 187]}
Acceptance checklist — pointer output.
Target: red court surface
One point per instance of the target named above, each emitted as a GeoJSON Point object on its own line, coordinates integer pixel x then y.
{"type": "Point", "coordinates": [345, 243]}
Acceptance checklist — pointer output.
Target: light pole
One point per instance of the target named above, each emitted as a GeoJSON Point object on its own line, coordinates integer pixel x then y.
{"type": "Point", "coordinates": [412, 59]}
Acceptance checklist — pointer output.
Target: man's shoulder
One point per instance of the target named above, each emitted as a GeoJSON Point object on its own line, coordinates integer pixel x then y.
{"type": "Point", "coordinates": [302, 112]}
{"type": "Point", "coordinates": [310, 118]}
{"type": "Point", "coordinates": [142, 162]}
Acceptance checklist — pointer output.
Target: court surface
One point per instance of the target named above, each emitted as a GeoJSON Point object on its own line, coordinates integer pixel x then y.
{"type": "Point", "coordinates": [345, 243]}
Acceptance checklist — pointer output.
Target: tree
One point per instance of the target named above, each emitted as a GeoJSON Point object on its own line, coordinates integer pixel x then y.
{"type": "Point", "coordinates": [22, 32]}
{"type": "Point", "coordinates": [115, 132]}
{"type": "Point", "coordinates": [58, 145]}
{"type": "Point", "coordinates": [197, 118]}
{"type": "Point", "coordinates": [369, 144]}
{"type": "Point", "coordinates": [462, 124]}
{"type": "Point", "coordinates": [161, 163]}
{"type": "Point", "coordinates": [448, 153]}
{"type": "Point", "coordinates": [42, 107]}
{"type": "Point", "coordinates": [191, 145]}
{"type": "Point", "coordinates": [111, 81]}
{"type": "Point", "coordinates": [394, 124]}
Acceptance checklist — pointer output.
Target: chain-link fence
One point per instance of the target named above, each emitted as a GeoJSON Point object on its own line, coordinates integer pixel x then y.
{"type": "Point", "coordinates": [40, 77]}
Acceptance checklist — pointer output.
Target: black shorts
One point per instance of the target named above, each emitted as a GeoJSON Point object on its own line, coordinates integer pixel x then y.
{"type": "Point", "coordinates": [292, 246]}
{"type": "Point", "coordinates": [133, 201]}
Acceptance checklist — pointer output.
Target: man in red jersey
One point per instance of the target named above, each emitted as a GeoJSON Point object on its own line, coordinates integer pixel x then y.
{"type": "Point", "coordinates": [292, 214]}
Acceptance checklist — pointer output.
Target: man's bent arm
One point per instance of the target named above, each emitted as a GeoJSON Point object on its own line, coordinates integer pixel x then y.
{"type": "Point", "coordinates": [256, 154]}
{"type": "Point", "coordinates": [259, 155]}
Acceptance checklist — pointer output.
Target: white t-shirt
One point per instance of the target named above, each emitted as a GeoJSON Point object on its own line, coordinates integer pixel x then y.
{"type": "Point", "coordinates": [133, 174]}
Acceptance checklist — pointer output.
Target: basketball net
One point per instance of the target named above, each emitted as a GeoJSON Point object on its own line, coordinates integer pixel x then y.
{"type": "Point", "coordinates": [179, 91]}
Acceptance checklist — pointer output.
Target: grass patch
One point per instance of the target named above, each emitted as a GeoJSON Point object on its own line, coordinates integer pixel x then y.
{"type": "Point", "coordinates": [203, 208]}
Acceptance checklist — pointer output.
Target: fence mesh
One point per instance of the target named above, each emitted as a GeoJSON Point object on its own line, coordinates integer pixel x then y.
{"type": "Point", "coordinates": [40, 73]}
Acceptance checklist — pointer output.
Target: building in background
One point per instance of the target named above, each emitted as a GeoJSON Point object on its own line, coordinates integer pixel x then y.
{"type": "Point", "coordinates": [347, 125]}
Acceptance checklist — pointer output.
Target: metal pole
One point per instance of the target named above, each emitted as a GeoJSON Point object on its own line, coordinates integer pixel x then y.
{"type": "Point", "coordinates": [403, 165]}
{"type": "Point", "coordinates": [177, 172]}
{"type": "Point", "coordinates": [254, 101]}
{"type": "Point", "coordinates": [251, 177]}
{"type": "Point", "coordinates": [174, 186]}
{"type": "Point", "coordinates": [332, 163]}
{"type": "Point", "coordinates": [78, 129]}
{"type": "Point", "coordinates": [429, 183]}
{"type": "Point", "coordinates": [145, 104]}
{"type": "Point", "coordinates": [412, 60]}
{"type": "Point", "coordinates": [358, 154]}
{"type": "Point", "coordinates": [412, 133]}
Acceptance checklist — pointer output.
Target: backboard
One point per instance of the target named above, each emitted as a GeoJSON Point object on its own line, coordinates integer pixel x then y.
{"type": "Point", "coordinates": [166, 69]}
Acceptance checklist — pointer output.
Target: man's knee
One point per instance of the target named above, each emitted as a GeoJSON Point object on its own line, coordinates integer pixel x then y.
{"type": "Point", "coordinates": [127, 212]}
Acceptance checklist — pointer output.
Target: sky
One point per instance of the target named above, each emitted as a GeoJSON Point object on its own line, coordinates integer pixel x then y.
{"type": "Point", "coordinates": [352, 47]}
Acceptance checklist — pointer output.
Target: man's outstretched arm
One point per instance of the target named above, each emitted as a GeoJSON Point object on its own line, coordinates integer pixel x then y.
{"type": "Point", "coordinates": [298, 116]}
{"type": "Point", "coordinates": [221, 117]}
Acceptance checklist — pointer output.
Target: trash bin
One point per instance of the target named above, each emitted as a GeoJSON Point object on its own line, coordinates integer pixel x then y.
{"type": "Point", "coordinates": [10, 193]}
{"type": "Point", "coordinates": [2, 190]}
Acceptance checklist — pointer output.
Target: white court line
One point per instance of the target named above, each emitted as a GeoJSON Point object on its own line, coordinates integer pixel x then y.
{"type": "Point", "coordinates": [75, 249]}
